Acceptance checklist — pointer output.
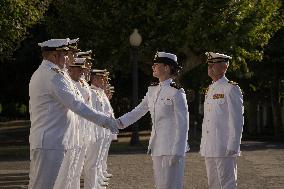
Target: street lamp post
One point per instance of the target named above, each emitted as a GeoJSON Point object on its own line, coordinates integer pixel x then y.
{"type": "Point", "coordinates": [135, 40]}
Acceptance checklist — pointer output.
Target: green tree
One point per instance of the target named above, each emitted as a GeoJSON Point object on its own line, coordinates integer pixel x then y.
{"type": "Point", "coordinates": [237, 28]}
{"type": "Point", "coordinates": [105, 26]}
{"type": "Point", "coordinates": [16, 16]}
{"type": "Point", "coordinates": [270, 71]}
{"type": "Point", "coordinates": [189, 27]}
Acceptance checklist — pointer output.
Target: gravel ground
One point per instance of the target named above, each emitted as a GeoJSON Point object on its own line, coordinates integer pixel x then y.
{"type": "Point", "coordinates": [261, 166]}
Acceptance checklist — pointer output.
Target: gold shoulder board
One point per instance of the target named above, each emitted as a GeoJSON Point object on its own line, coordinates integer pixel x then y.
{"type": "Point", "coordinates": [233, 83]}
{"type": "Point", "coordinates": [57, 70]}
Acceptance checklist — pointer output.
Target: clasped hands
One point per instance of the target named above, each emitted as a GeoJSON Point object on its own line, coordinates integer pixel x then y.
{"type": "Point", "coordinates": [113, 125]}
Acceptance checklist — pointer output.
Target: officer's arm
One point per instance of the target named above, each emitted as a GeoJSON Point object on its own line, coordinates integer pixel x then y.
{"type": "Point", "coordinates": [108, 109]}
{"type": "Point", "coordinates": [181, 121]}
{"type": "Point", "coordinates": [236, 121]}
{"type": "Point", "coordinates": [131, 117]}
{"type": "Point", "coordinates": [64, 94]}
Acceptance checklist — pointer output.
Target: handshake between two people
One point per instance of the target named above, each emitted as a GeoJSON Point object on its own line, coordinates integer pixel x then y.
{"type": "Point", "coordinates": [113, 125]}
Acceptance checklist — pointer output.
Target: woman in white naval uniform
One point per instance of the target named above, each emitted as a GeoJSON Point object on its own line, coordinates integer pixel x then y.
{"type": "Point", "coordinates": [170, 122]}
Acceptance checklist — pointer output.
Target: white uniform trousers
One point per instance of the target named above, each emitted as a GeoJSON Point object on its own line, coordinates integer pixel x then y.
{"type": "Point", "coordinates": [166, 175]}
{"type": "Point", "coordinates": [91, 165]}
{"type": "Point", "coordinates": [81, 154]}
{"type": "Point", "coordinates": [221, 172]}
{"type": "Point", "coordinates": [107, 143]}
{"type": "Point", "coordinates": [51, 169]}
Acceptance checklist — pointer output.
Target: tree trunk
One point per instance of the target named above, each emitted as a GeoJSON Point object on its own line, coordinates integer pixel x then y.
{"type": "Point", "coordinates": [275, 103]}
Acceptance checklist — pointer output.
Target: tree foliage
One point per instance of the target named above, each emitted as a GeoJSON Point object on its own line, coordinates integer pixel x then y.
{"type": "Point", "coordinates": [16, 16]}
{"type": "Point", "coordinates": [238, 28]}
{"type": "Point", "coordinates": [105, 26]}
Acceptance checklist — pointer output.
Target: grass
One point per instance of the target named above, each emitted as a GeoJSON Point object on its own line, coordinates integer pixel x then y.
{"type": "Point", "coordinates": [14, 152]}
{"type": "Point", "coordinates": [14, 141]}
{"type": "Point", "coordinates": [126, 148]}
{"type": "Point", "coordinates": [22, 151]}
{"type": "Point", "coordinates": [122, 147]}
{"type": "Point", "coordinates": [15, 123]}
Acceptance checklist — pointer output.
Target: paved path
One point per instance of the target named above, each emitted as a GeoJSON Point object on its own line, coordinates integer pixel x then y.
{"type": "Point", "coordinates": [261, 166]}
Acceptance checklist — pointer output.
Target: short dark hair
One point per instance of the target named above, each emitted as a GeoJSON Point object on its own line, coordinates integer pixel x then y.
{"type": "Point", "coordinates": [174, 71]}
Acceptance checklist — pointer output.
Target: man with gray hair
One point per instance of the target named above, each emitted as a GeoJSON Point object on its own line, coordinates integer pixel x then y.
{"type": "Point", "coordinates": [53, 103]}
{"type": "Point", "coordinates": [222, 125]}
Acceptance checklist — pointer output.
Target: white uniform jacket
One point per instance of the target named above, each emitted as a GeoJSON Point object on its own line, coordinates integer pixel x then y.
{"type": "Point", "coordinates": [223, 119]}
{"type": "Point", "coordinates": [86, 127]}
{"type": "Point", "coordinates": [97, 98]}
{"type": "Point", "coordinates": [170, 119]}
{"type": "Point", "coordinates": [52, 103]}
{"type": "Point", "coordinates": [108, 110]}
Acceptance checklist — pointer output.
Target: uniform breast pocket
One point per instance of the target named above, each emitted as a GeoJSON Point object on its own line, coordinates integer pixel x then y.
{"type": "Point", "coordinates": [219, 105]}
{"type": "Point", "coordinates": [168, 101]}
{"type": "Point", "coordinates": [165, 106]}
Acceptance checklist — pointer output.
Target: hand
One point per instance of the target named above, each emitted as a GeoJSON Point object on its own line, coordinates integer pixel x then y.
{"type": "Point", "coordinates": [230, 152]}
{"type": "Point", "coordinates": [119, 124]}
{"type": "Point", "coordinates": [112, 125]}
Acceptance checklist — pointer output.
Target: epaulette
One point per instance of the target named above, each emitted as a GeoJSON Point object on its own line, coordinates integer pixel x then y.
{"type": "Point", "coordinates": [154, 84]}
{"type": "Point", "coordinates": [57, 70]}
{"type": "Point", "coordinates": [175, 85]}
{"type": "Point", "coordinates": [206, 90]}
{"type": "Point", "coordinates": [233, 83]}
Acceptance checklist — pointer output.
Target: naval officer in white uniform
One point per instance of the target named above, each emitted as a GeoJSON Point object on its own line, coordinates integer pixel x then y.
{"type": "Point", "coordinates": [109, 90]}
{"type": "Point", "coordinates": [53, 102]}
{"type": "Point", "coordinates": [75, 71]}
{"type": "Point", "coordinates": [170, 122]}
{"type": "Point", "coordinates": [92, 176]}
{"type": "Point", "coordinates": [222, 125]}
{"type": "Point", "coordinates": [108, 137]}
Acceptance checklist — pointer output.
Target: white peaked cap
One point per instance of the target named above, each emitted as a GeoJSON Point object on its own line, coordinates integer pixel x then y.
{"type": "Point", "coordinates": [72, 41]}
{"type": "Point", "coordinates": [211, 55]}
{"type": "Point", "coordinates": [53, 43]}
{"type": "Point", "coordinates": [167, 55]}
{"type": "Point", "coordinates": [111, 88]}
{"type": "Point", "coordinates": [98, 70]}
{"type": "Point", "coordinates": [84, 53]}
{"type": "Point", "coordinates": [167, 58]}
{"type": "Point", "coordinates": [80, 60]}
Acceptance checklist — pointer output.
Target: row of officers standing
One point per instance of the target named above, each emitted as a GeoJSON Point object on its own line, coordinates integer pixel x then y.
{"type": "Point", "coordinates": [72, 123]}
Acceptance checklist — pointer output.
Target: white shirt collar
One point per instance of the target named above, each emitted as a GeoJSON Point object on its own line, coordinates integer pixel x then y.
{"type": "Point", "coordinates": [221, 80]}
{"type": "Point", "coordinates": [49, 64]}
{"type": "Point", "coordinates": [96, 88]}
{"type": "Point", "coordinates": [166, 82]}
